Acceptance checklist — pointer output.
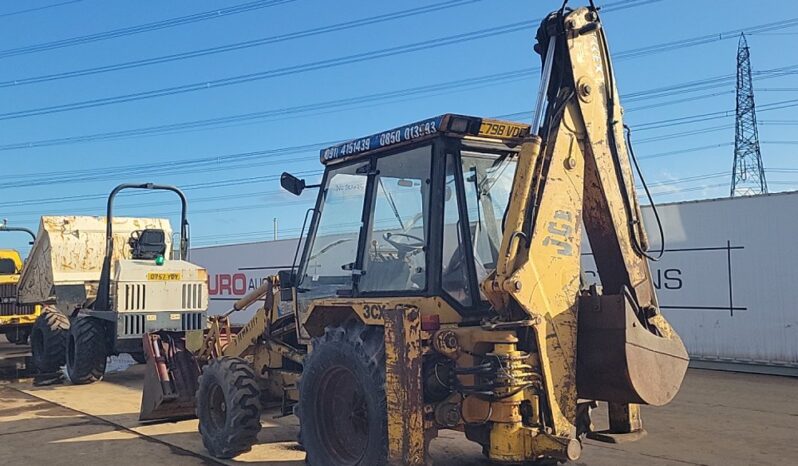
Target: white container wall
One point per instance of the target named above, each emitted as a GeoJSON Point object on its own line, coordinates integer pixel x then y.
{"type": "Point", "coordinates": [727, 281]}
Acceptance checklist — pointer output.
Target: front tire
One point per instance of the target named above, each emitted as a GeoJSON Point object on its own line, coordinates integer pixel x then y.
{"type": "Point", "coordinates": [342, 406]}
{"type": "Point", "coordinates": [86, 351]}
{"type": "Point", "coordinates": [228, 407]}
{"type": "Point", "coordinates": [48, 340]}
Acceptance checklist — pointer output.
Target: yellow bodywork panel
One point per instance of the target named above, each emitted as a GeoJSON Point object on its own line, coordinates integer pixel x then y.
{"type": "Point", "coordinates": [404, 395]}
{"type": "Point", "coordinates": [11, 312]}
{"type": "Point", "coordinates": [14, 257]}
{"type": "Point", "coordinates": [370, 311]}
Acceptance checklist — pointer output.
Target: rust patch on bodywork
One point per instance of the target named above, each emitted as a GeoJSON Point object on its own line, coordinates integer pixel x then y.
{"type": "Point", "coordinates": [403, 386]}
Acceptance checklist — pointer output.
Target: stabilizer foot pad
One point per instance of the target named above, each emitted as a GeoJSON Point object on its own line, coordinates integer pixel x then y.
{"type": "Point", "coordinates": [607, 436]}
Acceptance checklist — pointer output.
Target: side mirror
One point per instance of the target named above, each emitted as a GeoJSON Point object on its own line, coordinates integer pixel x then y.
{"type": "Point", "coordinates": [292, 184]}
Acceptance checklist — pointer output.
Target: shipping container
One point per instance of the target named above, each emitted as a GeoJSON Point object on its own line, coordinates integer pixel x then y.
{"type": "Point", "coordinates": [726, 280]}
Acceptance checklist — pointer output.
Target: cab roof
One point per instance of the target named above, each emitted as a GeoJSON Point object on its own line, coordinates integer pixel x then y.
{"type": "Point", "coordinates": [452, 124]}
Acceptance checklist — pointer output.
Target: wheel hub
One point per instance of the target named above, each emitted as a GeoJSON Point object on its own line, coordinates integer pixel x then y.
{"type": "Point", "coordinates": [342, 408]}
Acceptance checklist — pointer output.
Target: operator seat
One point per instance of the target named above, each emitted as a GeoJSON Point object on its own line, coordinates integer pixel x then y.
{"type": "Point", "coordinates": [147, 244]}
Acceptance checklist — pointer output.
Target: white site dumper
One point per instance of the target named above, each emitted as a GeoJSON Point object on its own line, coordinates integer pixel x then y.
{"type": "Point", "coordinates": [106, 281]}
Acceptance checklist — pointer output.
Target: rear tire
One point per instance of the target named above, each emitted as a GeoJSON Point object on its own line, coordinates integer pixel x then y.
{"type": "Point", "coordinates": [48, 340]}
{"type": "Point", "coordinates": [228, 407]}
{"type": "Point", "coordinates": [342, 406]}
{"type": "Point", "coordinates": [86, 351]}
{"type": "Point", "coordinates": [140, 358]}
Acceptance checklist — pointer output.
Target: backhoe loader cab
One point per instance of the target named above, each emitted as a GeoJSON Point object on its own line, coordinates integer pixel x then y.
{"type": "Point", "coordinates": [430, 196]}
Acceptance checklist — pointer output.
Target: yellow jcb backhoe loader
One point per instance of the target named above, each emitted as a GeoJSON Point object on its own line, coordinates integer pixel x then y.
{"type": "Point", "coordinates": [439, 288]}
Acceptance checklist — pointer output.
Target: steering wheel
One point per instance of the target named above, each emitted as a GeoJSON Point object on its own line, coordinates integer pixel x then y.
{"type": "Point", "coordinates": [402, 246]}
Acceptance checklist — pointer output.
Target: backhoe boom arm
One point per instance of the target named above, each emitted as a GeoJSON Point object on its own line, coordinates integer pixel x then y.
{"type": "Point", "coordinates": [576, 171]}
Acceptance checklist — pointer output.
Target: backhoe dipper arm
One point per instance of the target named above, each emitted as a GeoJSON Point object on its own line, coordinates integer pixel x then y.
{"type": "Point", "coordinates": [575, 170]}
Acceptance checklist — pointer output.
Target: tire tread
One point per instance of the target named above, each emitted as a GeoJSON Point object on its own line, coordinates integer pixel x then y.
{"type": "Point", "coordinates": [90, 352]}
{"type": "Point", "coordinates": [241, 428]}
{"type": "Point", "coordinates": [54, 327]}
{"type": "Point", "coordinates": [366, 345]}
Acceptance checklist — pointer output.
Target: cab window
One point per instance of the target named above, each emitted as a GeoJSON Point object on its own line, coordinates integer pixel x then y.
{"type": "Point", "coordinates": [330, 261]}
{"type": "Point", "coordinates": [487, 182]}
{"type": "Point", "coordinates": [7, 267]}
{"type": "Point", "coordinates": [454, 268]}
{"type": "Point", "coordinates": [395, 257]}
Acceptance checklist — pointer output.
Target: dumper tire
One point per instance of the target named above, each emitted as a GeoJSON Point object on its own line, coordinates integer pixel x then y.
{"type": "Point", "coordinates": [12, 335]}
{"type": "Point", "coordinates": [140, 358]}
{"type": "Point", "coordinates": [86, 351]}
{"type": "Point", "coordinates": [342, 405]}
{"type": "Point", "coordinates": [48, 340]}
{"type": "Point", "coordinates": [18, 335]}
{"type": "Point", "coordinates": [228, 407]}
{"type": "Point", "coordinates": [23, 335]}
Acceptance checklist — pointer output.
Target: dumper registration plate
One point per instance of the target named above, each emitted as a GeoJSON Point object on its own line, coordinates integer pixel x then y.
{"type": "Point", "coordinates": [164, 277]}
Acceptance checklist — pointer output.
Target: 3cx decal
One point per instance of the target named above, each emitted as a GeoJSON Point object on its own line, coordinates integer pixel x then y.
{"type": "Point", "coordinates": [373, 311]}
{"type": "Point", "coordinates": [377, 311]}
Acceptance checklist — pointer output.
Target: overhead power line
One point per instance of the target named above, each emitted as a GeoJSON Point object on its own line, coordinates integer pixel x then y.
{"type": "Point", "coordinates": [186, 187]}
{"type": "Point", "coordinates": [689, 179]}
{"type": "Point", "coordinates": [345, 60]}
{"type": "Point", "coordinates": [174, 170]}
{"type": "Point", "coordinates": [711, 116]}
{"type": "Point", "coordinates": [684, 151]}
{"type": "Point", "coordinates": [361, 22]}
{"type": "Point", "coordinates": [688, 189]}
{"type": "Point", "coordinates": [229, 161]}
{"type": "Point", "coordinates": [684, 120]}
{"type": "Point", "coordinates": [38, 8]}
{"type": "Point", "coordinates": [399, 95]}
{"type": "Point", "coordinates": [284, 112]}
{"type": "Point", "coordinates": [278, 72]}
{"type": "Point", "coordinates": [274, 39]}
{"type": "Point", "coordinates": [778, 122]}
{"type": "Point", "coordinates": [359, 101]}
{"type": "Point", "coordinates": [678, 101]}
{"type": "Point", "coordinates": [99, 207]}
{"type": "Point", "coordinates": [141, 28]}
{"type": "Point", "coordinates": [202, 164]}
{"type": "Point", "coordinates": [681, 134]}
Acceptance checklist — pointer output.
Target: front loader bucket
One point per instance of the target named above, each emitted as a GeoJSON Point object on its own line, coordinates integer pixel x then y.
{"type": "Point", "coordinates": [622, 361]}
{"type": "Point", "coordinates": [170, 384]}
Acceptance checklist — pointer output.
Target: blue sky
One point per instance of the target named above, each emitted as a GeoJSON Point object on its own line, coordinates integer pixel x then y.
{"type": "Point", "coordinates": [235, 200]}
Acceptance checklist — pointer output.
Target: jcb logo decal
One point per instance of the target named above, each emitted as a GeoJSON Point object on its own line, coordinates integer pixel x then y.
{"type": "Point", "coordinates": [560, 231]}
